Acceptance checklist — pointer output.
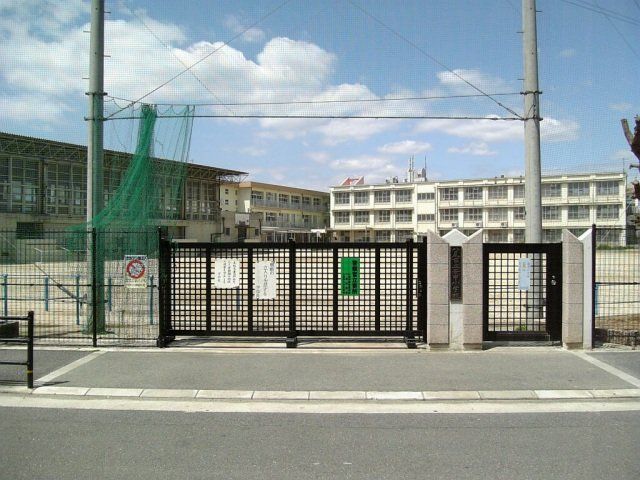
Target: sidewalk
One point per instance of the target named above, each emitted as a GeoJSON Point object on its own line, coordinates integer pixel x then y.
{"type": "Point", "coordinates": [249, 373]}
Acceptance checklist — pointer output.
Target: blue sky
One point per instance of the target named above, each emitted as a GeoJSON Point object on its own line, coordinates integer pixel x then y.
{"type": "Point", "coordinates": [338, 50]}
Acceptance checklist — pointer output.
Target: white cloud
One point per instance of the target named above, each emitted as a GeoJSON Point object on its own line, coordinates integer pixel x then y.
{"type": "Point", "coordinates": [32, 108]}
{"type": "Point", "coordinates": [454, 81]}
{"type": "Point", "coordinates": [342, 130]}
{"type": "Point", "coordinates": [623, 155]}
{"type": "Point", "coordinates": [568, 53]}
{"type": "Point", "coordinates": [376, 169]}
{"type": "Point", "coordinates": [478, 149]}
{"type": "Point", "coordinates": [491, 130]}
{"type": "Point", "coordinates": [252, 151]}
{"type": "Point", "coordinates": [250, 35]}
{"type": "Point", "coordinates": [621, 107]}
{"type": "Point", "coordinates": [405, 147]}
{"type": "Point", "coordinates": [318, 157]}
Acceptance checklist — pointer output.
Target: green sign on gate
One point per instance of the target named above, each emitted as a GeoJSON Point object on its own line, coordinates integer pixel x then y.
{"type": "Point", "coordinates": [350, 276]}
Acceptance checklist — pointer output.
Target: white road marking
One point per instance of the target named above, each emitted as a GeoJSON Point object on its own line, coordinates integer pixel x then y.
{"type": "Point", "coordinates": [608, 368]}
{"type": "Point", "coordinates": [71, 366]}
{"type": "Point", "coordinates": [320, 407]}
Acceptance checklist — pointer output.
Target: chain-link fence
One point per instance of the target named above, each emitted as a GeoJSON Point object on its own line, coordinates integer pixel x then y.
{"type": "Point", "coordinates": [617, 286]}
{"type": "Point", "coordinates": [50, 273]}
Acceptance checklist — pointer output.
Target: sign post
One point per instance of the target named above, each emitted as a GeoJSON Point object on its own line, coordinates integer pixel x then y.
{"type": "Point", "coordinates": [350, 276]}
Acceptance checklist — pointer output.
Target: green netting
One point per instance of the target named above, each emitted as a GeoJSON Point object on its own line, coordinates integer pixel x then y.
{"type": "Point", "coordinates": [148, 191]}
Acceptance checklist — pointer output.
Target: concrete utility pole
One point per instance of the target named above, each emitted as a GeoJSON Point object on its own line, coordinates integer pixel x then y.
{"type": "Point", "coordinates": [532, 175]}
{"type": "Point", "coordinates": [95, 154]}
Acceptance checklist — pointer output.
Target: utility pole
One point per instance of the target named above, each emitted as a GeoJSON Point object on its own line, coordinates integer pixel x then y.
{"type": "Point", "coordinates": [532, 175]}
{"type": "Point", "coordinates": [95, 154]}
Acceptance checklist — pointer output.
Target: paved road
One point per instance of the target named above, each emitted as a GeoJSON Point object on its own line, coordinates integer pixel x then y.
{"type": "Point", "coordinates": [61, 444]}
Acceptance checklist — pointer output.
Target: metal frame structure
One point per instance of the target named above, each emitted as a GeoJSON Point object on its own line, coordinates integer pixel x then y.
{"type": "Point", "coordinates": [512, 314]}
{"type": "Point", "coordinates": [309, 301]}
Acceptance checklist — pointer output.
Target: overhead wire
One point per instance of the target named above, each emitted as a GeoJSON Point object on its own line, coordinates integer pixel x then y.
{"type": "Point", "coordinates": [624, 39]}
{"type": "Point", "coordinates": [431, 57]}
{"type": "Point", "coordinates": [313, 102]}
{"type": "Point", "coordinates": [215, 50]}
{"type": "Point", "coordinates": [603, 11]}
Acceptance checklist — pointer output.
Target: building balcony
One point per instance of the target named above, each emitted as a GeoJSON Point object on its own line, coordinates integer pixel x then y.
{"type": "Point", "coordinates": [497, 201]}
{"type": "Point", "coordinates": [472, 224]}
{"type": "Point", "coordinates": [473, 203]}
{"type": "Point", "coordinates": [341, 206]}
{"type": "Point", "coordinates": [448, 203]}
{"type": "Point", "coordinates": [289, 224]}
{"type": "Point", "coordinates": [580, 199]}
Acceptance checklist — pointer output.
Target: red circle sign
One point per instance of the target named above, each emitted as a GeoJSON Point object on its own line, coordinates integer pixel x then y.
{"type": "Point", "coordinates": [135, 269]}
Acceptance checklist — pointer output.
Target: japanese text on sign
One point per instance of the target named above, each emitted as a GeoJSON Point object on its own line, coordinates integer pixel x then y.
{"type": "Point", "coordinates": [265, 280]}
{"type": "Point", "coordinates": [226, 273]}
{"type": "Point", "coordinates": [135, 271]}
{"type": "Point", "coordinates": [524, 273]}
{"type": "Point", "coordinates": [350, 276]}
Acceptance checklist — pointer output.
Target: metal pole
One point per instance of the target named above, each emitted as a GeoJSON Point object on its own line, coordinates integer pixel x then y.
{"type": "Point", "coordinates": [533, 203]}
{"type": "Point", "coordinates": [30, 332]}
{"type": "Point", "coordinates": [95, 195]}
{"type": "Point", "coordinates": [5, 294]}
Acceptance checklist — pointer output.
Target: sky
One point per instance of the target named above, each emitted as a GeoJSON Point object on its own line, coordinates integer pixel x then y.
{"type": "Point", "coordinates": [323, 58]}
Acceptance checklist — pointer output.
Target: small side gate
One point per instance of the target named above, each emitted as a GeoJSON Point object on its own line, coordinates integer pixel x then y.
{"type": "Point", "coordinates": [290, 290]}
{"type": "Point", "coordinates": [522, 291]}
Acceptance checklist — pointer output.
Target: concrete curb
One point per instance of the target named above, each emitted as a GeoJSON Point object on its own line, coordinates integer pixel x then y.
{"type": "Point", "coordinates": [305, 396]}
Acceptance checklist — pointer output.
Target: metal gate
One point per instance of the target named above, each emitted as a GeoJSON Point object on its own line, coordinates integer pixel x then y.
{"type": "Point", "coordinates": [336, 289]}
{"type": "Point", "coordinates": [522, 292]}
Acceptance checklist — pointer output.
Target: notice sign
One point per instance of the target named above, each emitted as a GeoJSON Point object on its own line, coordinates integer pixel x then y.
{"type": "Point", "coordinates": [265, 280]}
{"type": "Point", "coordinates": [350, 276]}
{"type": "Point", "coordinates": [226, 273]}
{"type": "Point", "coordinates": [135, 271]}
{"type": "Point", "coordinates": [524, 273]}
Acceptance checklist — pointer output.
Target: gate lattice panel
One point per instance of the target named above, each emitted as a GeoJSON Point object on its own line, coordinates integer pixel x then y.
{"type": "Point", "coordinates": [390, 297]}
{"type": "Point", "coordinates": [513, 312]}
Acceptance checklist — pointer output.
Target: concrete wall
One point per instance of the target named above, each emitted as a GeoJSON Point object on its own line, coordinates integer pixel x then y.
{"type": "Point", "coordinates": [472, 292]}
{"type": "Point", "coordinates": [572, 291]}
{"type": "Point", "coordinates": [456, 238]}
{"type": "Point", "coordinates": [587, 329]}
{"type": "Point", "coordinates": [437, 292]}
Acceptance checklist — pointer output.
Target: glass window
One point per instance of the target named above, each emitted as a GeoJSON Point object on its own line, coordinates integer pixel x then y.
{"type": "Point", "coordinates": [361, 198]}
{"type": "Point", "coordinates": [578, 189]}
{"type": "Point", "coordinates": [383, 196]}
{"type": "Point", "coordinates": [422, 197]}
{"type": "Point", "coordinates": [295, 201]}
{"type": "Point", "coordinates": [551, 213]}
{"type": "Point", "coordinates": [306, 201]}
{"type": "Point", "coordinates": [554, 235]}
{"type": "Point", "coordinates": [341, 217]}
{"type": "Point", "coordinates": [473, 193]}
{"type": "Point", "coordinates": [551, 190]}
{"type": "Point", "coordinates": [426, 217]}
{"type": "Point", "coordinates": [449, 215]}
{"type": "Point", "coordinates": [403, 235]}
{"type": "Point", "coordinates": [283, 199]}
{"type": "Point", "coordinates": [404, 216]}
{"type": "Point", "coordinates": [610, 212]}
{"type": "Point", "coordinates": [518, 191]}
{"type": "Point", "coordinates": [316, 201]}
{"type": "Point", "coordinates": [383, 236]}
{"type": "Point", "coordinates": [607, 188]}
{"type": "Point", "coordinates": [578, 212]}
{"type": "Point", "coordinates": [341, 198]}
{"type": "Point", "coordinates": [448, 194]}
{"type": "Point", "coordinates": [497, 214]}
{"type": "Point", "coordinates": [257, 196]}
{"type": "Point", "coordinates": [518, 236]}
{"type": "Point", "coordinates": [383, 216]}
{"type": "Point", "coordinates": [498, 236]}
{"type": "Point", "coordinates": [361, 217]}
{"type": "Point", "coordinates": [498, 192]}
{"type": "Point", "coordinates": [473, 215]}
{"type": "Point", "coordinates": [519, 213]}
{"type": "Point", "coordinates": [403, 196]}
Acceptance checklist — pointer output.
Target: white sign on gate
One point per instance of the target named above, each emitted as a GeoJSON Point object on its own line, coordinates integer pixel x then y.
{"type": "Point", "coordinates": [226, 273]}
{"type": "Point", "coordinates": [265, 280]}
{"type": "Point", "coordinates": [524, 273]}
{"type": "Point", "coordinates": [135, 271]}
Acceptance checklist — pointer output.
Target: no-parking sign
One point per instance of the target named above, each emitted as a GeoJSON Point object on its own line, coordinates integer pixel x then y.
{"type": "Point", "coordinates": [135, 271]}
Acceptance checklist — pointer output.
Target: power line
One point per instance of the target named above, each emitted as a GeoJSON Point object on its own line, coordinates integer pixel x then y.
{"type": "Point", "coordinates": [602, 11]}
{"type": "Point", "coordinates": [332, 117]}
{"type": "Point", "coordinates": [238, 35]}
{"type": "Point", "coordinates": [430, 57]}
{"type": "Point", "coordinates": [173, 54]}
{"type": "Point", "coordinates": [624, 39]}
{"type": "Point", "coordinates": [321, 102]}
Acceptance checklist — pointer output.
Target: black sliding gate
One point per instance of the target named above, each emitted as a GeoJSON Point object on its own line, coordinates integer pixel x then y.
{"type": "Point", "coordinates": [290, 290]}
{"type": "Point", "coordinates": [522, 293]}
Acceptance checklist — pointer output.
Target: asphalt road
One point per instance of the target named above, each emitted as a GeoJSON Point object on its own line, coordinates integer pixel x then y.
{"type": "Point", "coordinates": [61, 444]}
